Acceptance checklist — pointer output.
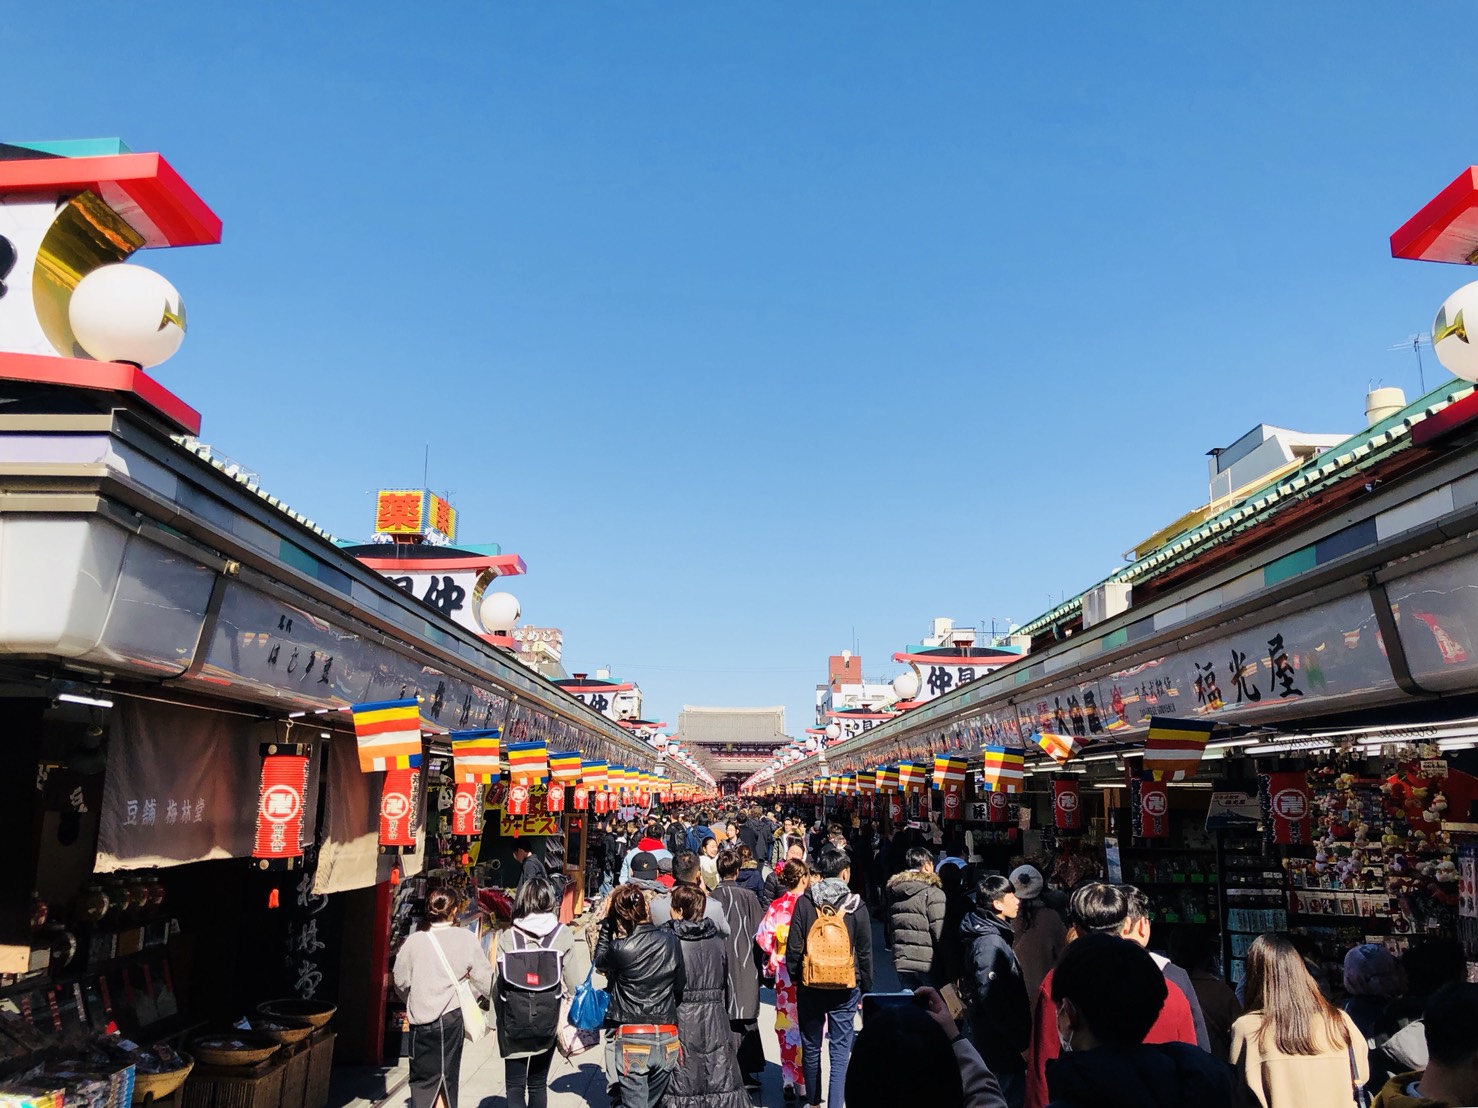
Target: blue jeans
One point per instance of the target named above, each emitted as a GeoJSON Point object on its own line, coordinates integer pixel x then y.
{"type": "Point", "coordinates": [835, 1012]}
{"type": "Point", "coordinates": [644, 1066]}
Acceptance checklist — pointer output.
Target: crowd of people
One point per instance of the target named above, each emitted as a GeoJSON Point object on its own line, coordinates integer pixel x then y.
{"type": "Point", "coordinates": [1013, 994]}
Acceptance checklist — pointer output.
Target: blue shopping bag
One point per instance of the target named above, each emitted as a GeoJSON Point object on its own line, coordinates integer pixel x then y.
{"type": "Point", "coordinates": [588, 1009]}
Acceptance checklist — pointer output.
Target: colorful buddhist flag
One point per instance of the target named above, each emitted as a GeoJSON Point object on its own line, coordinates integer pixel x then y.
{"type": "Point", "coordinates": [1002, 769]}
{"type": "Point", "coordinates": [389, 734]}
{"type": "Point", "coordinates": [1060, 748]}
{"type": "Point", "coordinates": [1173, 747]}
{"type": "Point", "coordinates": [595, 775]}
{"type": "Point", "coordinates": [887, 779]}
{"type": "Point", "coordinates": [949, 773]}
{"type": "Point", "coordinates": [475, 756]}
{"type": "Point", "coordinates": [565, 767]}
{"type": "Point", "coordinates": [527, 762]}
{"type": "Point", "coordinates": [867, 781]}
{"type": "Point", "coordinates": [910, 777]}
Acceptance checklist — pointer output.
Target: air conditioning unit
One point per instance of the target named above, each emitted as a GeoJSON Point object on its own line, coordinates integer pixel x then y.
{"type": "Point", "coordinates": [1106, 601]}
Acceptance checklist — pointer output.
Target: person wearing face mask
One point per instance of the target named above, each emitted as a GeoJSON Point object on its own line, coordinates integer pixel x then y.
{"type": "Point", "coordinates": [995, 992]}
{"type": "Point", "coordinates": [1107, 993]}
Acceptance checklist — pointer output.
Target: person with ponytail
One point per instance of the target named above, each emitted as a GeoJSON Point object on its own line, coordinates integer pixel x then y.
{"type": "Point", "coordinates": [1292, 1048]}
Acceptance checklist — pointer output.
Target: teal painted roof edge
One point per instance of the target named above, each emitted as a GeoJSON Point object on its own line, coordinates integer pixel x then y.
{"type": "Point", "coordinates": [78, 148]}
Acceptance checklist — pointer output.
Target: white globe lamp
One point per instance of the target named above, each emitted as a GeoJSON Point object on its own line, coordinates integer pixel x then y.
{"type": "Point", "coordinates": [833, 731]}
{"type": "Point", "coordinates": [1455, 333]}
{"type": "Point", "coordinates": [906, 685]}
{"type": "Point", "coordinates": [498, 612]}
{"type": "Point", "coordinates": [126, 313]}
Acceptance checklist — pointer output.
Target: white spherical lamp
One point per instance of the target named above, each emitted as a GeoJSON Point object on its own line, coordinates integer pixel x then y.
{"type": "Point", "coordinates": [906, 685]}
{"type": "Point", "coordinates": [126, 313]}
{"type": "Point", "coordinates": [1455, 332]}
{"type": "Point", "coordinates": [833, 731]}
{"type": "Point", "coordinates": [498, 612]}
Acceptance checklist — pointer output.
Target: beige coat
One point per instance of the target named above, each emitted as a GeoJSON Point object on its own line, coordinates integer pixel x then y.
{"type": "Point", "coordinates": [1297, 1080]}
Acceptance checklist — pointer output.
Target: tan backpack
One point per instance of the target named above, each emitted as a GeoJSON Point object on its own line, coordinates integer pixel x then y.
{"type": "Point", "coordinates": [828, 962]}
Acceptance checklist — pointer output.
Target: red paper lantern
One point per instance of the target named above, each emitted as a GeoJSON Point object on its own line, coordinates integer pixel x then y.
{"type": "Point", "coordinates": [399, 803]}
{"type": "Point", "coordinates": [467, 809]}
{"type": "Point", "coordinates": [280, 804]}
{"type": "Point", "coordinates": [1067, 807]}
{"type": "Point", "coordinates": [517, 803]}
{"type": "Point", "coordinates": [554, 799]}
{"type": "Point", "coordinates": [582, 798]}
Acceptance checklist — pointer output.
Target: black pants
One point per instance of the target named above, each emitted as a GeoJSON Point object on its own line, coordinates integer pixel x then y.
{"type": "Point", "coordinates": [747, 1046]}
{"type": "Point", "coordinates": [528, 1076]}
{"type": "Point", "coordinates": [436, 1060]}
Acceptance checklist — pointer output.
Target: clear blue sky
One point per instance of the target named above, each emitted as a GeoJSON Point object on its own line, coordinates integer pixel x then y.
{"type": "Point", "coordinates": [752, 324]}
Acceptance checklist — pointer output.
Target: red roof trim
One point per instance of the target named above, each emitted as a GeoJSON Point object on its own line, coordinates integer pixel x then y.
{"type": "Point", "coordinates": [84, 373]}
{"type": "Point", "coordinates": [507, 565]}
{"type": "Point", "coordinates": [1439, 232]}
{"type": "Point", "coordinates": [142, 188]}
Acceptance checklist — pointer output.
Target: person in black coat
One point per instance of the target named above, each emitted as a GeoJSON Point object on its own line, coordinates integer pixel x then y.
{"type": "Point", "coordinates": [1000, 1011]}
{"type": "Point", "coordinates": [646, 979]}
{"type": "Point", "coordinates": [743, 912]}
{"type": "Point", "coordinates": [914, 920]}
{"type": "Point", "coordinates": [709, 1076]}
{"type": "Point", "coordinates": [755, 834]}
{"type": "Point", "coordinates": [1108, 993]}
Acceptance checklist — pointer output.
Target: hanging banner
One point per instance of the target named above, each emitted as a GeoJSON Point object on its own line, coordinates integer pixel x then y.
{"type": "Point", "coordinates": [953, 808]}
{"type": "Point", "coordinates": [949, 773]}
{"type": "Point", "coordinates": [997, 808]}
{"type": "Point", "coordinates": [895, 808]}
{"type": "Point", "coordinates": [389, 734]}
{"type": "Point", "coordinates": [467, 810]}
{"type": "Point", "coordinates": [527, 762]}
{"type": "Point", "coordinates": [1287, 807]}
{"type": "Point", "coordinates": [554, 798]}
{"type": "Point", "coordinates": [281, 800]}
{"type": "Point", "coordinates": [1150, 807]}
{"type": "Point", "coordinates": [1067, 807]}
{"type": "Point", "coordinates": [399, 800]}
{"type": "Point", "coordinates": [1174, 747]}
{"type": "Point", "coordinates": [582, 798]}
{"type": "Point", "coordinates": [475, 755]}
{"type": "Point", "coordinates": [1001, 770]}
{"type": "Point", "coordinates": [517, 802]}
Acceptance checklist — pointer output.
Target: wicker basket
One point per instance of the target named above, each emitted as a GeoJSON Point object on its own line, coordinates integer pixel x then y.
{"type": "Point", "coordinates": [315, 1012]}
{"type": "Point", "coordinates": [258, 1048]}
{"type": "Point", "coordinates": [157, 1086]}
{"type": "Point", "coordinates": [283, 1030]}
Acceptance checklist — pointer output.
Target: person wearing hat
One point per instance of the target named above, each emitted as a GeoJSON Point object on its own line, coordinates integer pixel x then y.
{"type": "Point", "coordinates": [1373, 978]}
{"type": "Point", "coordinates": [1040, 936]}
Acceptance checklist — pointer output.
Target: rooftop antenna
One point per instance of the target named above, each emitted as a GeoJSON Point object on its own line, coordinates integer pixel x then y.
{"type": "Point", "coordinates": [1414, 343]}
{"type": "Point", "coordinates": [426, 468]}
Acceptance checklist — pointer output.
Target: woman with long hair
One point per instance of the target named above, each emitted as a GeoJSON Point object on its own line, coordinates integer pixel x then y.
{"type": "Point", "coordinates": [709, 1076]}
{"type": "Point", "coordinates": [1292, 1048]}
{"type": "Point", "coordinates": [431, 963]}
{"type": "Point", "coordinates": [527, 1019]}
{"type": "Point", "coordinates": [771, 936]}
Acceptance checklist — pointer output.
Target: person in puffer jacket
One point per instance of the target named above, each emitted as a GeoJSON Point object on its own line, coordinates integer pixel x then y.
{"type": "Point", "coordinates": [995, 991]}
{"type": "Point", "coordinates": [914, 908]}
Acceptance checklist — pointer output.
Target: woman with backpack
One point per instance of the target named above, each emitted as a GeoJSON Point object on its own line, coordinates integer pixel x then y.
{"type": "Point", "coordinates": [534, 973]}
{"type": "Point", "coordinates": [709, 1076]}
{"type": "Point", "coordinates": [430, 965]}
{"type": "Point", "coordinates": [773, 931]}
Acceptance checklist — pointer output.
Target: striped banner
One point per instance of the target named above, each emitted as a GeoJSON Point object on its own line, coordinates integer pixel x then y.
{"type": "Point", "coordinates": [1002, 769]}
{"type": "Point", "coordinates": [949, 773]}
{"type": "Point", "coordinates": [595, 775]}
{"type": "Point", "coordinates": [527, 762]}
{"type": "Point", "coordinates": [887, 779]}
{"type": "Point", "coordinates": [910, 777]}
{"type": "Point", "coordinates": [475, 756]}
{"type": "Point", "coordinates": [1173, 747]}
{"type": "Point", "coordinates": [389, 734]}
{"type": "Point", "coordinates": [565, 767]}
{"type": "Point", "coordinates": [867, 781]}
{"type": "Point", "coordinates": [1060, 748]}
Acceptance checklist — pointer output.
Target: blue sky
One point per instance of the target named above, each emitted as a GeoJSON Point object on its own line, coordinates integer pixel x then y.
{"type": "Point", "coordinates": [752, 325]}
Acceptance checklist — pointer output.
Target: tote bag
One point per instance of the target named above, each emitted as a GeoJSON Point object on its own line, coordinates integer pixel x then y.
{"type": "Point", "coordinates": [588, 1009]}
{"type": "Point", "coordinates": [474, 1024]}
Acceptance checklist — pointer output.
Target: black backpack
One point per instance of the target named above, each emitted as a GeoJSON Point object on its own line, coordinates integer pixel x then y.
{"type": "Point", "coordinates": [676, 840]}
{"type": "Point", "coordinates": [526, 1000]}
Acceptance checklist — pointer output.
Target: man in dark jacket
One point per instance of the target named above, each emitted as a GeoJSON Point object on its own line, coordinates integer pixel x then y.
{"type": "Point", "coordinates": [742, 910]}
{"type": "Point", "coordinates": [914, 920]}
{"type": "Point", "coordinates": [529, 867]}
{"type": "Point", "coordinates": [755, 834]}
{"type": "Point", "coordinates": [1108, 992]}
{"type": "Point", "coordinates": [830, 1009]}
{"type": "Point", "coordinates": [1000, 1011]}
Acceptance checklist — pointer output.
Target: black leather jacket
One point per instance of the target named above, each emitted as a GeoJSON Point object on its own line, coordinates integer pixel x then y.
{"type": "Point", "coordinates": [644, 974]}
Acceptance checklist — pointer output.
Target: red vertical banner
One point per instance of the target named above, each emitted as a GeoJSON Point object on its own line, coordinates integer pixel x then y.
{"type": "Point", "coordinates": [1067, 806]}
{"type": "Point", "coordinates": [1287, 806]}
{"type": "Point", "coordinates": [281, 800]}
{"type": "Point", "coordinates": [582, 798]}
{"type": "Point", "coordinates": [895, 808]}
{"type": "Point", "coordinates": [1150, 801]}
{"type": "Point", "coordinates": [998, 807]}
{"type": "Point", "coordinates": [467, 809]}
{"type": "Point", "coordinates": [953, 809]}
{"type": "Point", "coordinates": [517, 803]}
{"type": "Point", "coordinates": [554, 799]}
{"type": "Point", "coordinates": [399, 801]}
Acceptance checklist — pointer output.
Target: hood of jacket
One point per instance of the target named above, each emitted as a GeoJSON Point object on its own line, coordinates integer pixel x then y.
{"type": "Point", "coordinates": [911, 881]}
{"type": "Point", "coordinates": [833, 893]}
{"type": "Point", "coordinates": [538, 925]}
{"type": "Point", "coordinates": [1168, 1075]}
{"type": "Point", "coordinates": [1396, 1093]}
{"type": "Point", "coordinates": [691, 930]}
{"type": "Point", "coordinates": [977, 923]}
